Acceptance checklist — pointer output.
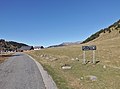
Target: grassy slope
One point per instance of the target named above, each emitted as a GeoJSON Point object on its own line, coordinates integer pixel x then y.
{"type": "Point", "coordinates": [108, 48]}
{"type": "Point", "coordinates": [108, 53]}
{"type": "Point", "coordinates": [108, 78]}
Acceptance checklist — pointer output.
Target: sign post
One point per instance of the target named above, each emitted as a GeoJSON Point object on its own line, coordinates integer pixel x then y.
{"type": "Point", "coordinates": [84, 60]}
{"type": "Point", "coordinates": [93, 56]}
{"type": "Point", "coordinates": [87, 48]}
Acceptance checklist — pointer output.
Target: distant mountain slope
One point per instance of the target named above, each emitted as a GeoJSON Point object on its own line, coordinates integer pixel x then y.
{"type": "Point", "coordinates": [107, 33]}
{"type": "Point", "coordinates": [16, 44]}
{"type": "Point", "coordinates": [71, 43]}
{"type": "Point", "coordinates": [65, 44]}
{"type": "Point", "coordinates": [10, 45]}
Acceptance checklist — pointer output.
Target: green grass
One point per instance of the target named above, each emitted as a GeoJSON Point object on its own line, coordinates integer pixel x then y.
{"type": "Point", "coordinates": [54, 72]}
{"type": "Point", "coordinates": [59, 80]}
{"type": "Point", "coordinates": [108, 78]}
{"type": "Point", "coordinates": [108, 53]}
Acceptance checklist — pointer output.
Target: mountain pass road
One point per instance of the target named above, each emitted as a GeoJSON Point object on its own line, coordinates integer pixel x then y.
{"type": "Point", "coordinates": [20, 72]}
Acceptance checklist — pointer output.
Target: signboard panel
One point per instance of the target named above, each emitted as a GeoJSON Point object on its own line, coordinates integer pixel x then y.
{"type": "Point", "coordinates": [86, 48]}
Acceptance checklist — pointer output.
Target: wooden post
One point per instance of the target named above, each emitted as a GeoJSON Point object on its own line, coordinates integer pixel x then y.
{"type": "Point", "coordinates": [94, 57]}
{"type": "Point", "coordinates": [84, 60]}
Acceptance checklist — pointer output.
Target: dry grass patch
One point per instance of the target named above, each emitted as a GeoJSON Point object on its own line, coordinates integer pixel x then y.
{"type": "Point", "coordinates": [77, 76]}
{"type": "Point", "coordinates": [104, 75]}
{"type": "Point", "coordinates": [3, 57]}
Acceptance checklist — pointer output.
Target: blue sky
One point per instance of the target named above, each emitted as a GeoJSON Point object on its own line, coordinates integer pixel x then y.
{"type": "Point", "coordinates": [48, 22]}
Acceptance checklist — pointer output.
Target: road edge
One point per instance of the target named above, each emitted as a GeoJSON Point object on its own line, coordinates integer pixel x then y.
{"type": "Point", "coordinates": [47, 79]}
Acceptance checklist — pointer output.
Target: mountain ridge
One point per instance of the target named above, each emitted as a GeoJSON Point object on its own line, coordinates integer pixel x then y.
{"type": "Point", "coordinates": [66, 44]}
{"type": "Point", "coordinates": [10, 45]}
{"type": "Point", "coordinates": [109, 29]}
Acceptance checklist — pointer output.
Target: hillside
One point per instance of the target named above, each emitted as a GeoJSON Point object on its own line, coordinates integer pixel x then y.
{"type": "Point", "coordinates": [108, 45]}
{"type": "Point", "coordinates": [106, 73]}
{"type": "Point", "coordinates": [112, 31]}
{"type": "Point", "coordinates": [10, 45]}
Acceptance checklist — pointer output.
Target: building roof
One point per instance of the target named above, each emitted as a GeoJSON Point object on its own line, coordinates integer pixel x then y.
{"type": "Point", "coordinates": [36, 47]}
{"type": "Point", "coordinates": [26, 48]}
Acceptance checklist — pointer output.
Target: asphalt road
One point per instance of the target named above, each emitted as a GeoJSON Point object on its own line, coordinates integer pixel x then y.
{"type": "Point", "coordinates": [20, 72]}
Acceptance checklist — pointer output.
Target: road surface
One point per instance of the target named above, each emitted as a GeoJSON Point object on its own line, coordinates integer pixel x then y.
{"type": "Point", "coordinates": [20, 72]}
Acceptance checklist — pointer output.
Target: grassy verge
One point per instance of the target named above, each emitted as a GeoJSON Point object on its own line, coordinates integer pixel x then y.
{"type": "Point", "coordinates": [59, 80]}
{"type": "Point", "coordinates": [79, 76]}
{"type": "Point", "coordinates": [55, 73]}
